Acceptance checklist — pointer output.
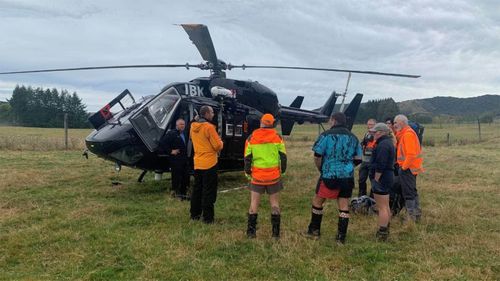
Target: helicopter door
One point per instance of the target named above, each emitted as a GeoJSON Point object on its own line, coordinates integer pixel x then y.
{"type": "Point", "coordinates": [234, 135]}
{"type": "Point", "coordinates": [151, 122]}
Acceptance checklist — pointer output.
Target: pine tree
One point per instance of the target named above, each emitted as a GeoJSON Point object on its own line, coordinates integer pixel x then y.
{"type": "Point", "coordinates": [5, 112]}
{"type": "Point", "coordinates": [19, 103]}
{"type": "Point", "coordinates": [46, 108]}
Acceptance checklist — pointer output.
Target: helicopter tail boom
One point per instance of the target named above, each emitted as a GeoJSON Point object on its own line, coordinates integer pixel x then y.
{"type": "Point", "coordinates": [352, 110]}
{"type": "Point", "coordinates": [289, 115]}
{"type": "Point", "coordinates": [327, 108]}
{"type": "Point", "coordinates": [287, 125]}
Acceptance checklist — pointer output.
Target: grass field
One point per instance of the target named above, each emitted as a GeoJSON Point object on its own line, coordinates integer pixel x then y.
{"type": "Point", "coordinates": [40, 139]}
{"type": "Point", "coordinates": [62, 219]}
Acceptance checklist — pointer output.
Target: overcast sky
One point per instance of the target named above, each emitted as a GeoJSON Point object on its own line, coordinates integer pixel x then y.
{"type": "Point", "coordinates": [454, 45]}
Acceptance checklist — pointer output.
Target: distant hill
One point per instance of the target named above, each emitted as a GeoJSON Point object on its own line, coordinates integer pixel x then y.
{"type": "Point", "coordinates": [476, 106]}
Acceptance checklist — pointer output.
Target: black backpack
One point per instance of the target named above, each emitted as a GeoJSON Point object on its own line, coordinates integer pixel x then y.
{"type": "Point", "coordinates": [419, 130]}
{"type": "Point", "coordinates": [396, 199]}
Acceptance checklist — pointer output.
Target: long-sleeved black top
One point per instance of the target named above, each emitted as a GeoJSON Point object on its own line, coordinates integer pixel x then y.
{"type": "Point", "coordinates": [383, 156]}
{"type": "Point", "coordinates": [172, 140]}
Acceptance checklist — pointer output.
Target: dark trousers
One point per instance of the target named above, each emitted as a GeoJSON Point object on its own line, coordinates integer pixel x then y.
{"type": "Point", "coordinates": [180, 177]}
{"type": "Point", "coordinates": [204, 194]}
{"type": "Point", "coordinates": [363, 176]}
{"type": "Point", "coordinates": [408, 183]}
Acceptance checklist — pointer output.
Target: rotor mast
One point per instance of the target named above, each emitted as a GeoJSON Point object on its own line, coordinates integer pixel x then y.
{"type": "Point", "coordinates": [345, 92]}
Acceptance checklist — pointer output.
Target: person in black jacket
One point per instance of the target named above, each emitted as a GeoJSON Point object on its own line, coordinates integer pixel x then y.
{"type": "Point", "coordinates": [382, 176]}
{"type": "Point", "coordinates": [176, 147]}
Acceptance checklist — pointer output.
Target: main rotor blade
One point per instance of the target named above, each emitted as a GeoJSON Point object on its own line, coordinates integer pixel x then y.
{"type": "Point", "coordinates": [102, 67]}
{"type": "Point", "coordinates": [199, 35]}
{"type": "Point", "coordinates": [325, 69]}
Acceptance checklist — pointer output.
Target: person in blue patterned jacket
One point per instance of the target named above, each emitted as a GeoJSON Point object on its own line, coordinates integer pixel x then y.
{"type": "Point", "coordinates": [336, 152]}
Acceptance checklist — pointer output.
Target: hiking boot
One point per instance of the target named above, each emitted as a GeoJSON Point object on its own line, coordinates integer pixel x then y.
{"type": "Point", "coordinates": [313, 234]}
{"type": "Point", "coordinates": [412, 210]}
{"type": "Point", "coordinates": [276, 221]}
{"type": "Point", "coordinates": [252, 226]}
{"type": "Point", "coordinates": [382, 234]}
{"type": "Point", "coordinates": [342, 228]}
{"type": "Point", "coordinates": [340, 238]}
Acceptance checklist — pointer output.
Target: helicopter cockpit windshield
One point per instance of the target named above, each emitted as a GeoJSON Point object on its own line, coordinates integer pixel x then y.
{"type": "Point", "coordinates": [151, 121]}
{"type": "Point", "coordinates": [162, 107]}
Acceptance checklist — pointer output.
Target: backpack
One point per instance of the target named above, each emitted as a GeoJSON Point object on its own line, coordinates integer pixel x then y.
{"type": "Point", "coordinates": [396, 199]}
{"type": "Point", "coordinates": [364, 205]}
{"type": "Point", "coordinates": [418, 129]}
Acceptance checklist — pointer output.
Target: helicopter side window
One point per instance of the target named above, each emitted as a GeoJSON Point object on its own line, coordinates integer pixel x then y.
{"type": "Point", "coordinates": [229, 129]}
{"type": "Point", "coordinates": [234, 130]}
{"type": "Point", "coordinates": [238, 132]}
{"type": "Point", "coordinates": [161, 108]}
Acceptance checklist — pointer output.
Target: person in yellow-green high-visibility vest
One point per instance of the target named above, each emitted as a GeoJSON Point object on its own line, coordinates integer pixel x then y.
{"type": "Point", "coordinates": [265, 163]}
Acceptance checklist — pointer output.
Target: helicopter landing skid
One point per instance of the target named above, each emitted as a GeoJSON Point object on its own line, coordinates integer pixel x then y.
{"type": "Point", "coordinates": [141, 177]}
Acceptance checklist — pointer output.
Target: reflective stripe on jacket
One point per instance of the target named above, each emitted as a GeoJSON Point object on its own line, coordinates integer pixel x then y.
{"type": "Point", "coordinates": [409, 151]}
{"type": "Point", "coordinates": [265, 156]}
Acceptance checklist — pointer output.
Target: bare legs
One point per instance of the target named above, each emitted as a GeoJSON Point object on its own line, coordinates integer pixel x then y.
{"type": "Point", "coordinates": [384, 212]}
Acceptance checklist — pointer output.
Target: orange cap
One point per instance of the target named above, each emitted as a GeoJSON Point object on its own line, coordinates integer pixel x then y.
{"type": "Point", "coordinates": [267, 119]}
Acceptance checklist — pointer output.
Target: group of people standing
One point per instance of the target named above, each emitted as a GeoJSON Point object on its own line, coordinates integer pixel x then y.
{"type": "Point", "coordinates": [392, 153]}
{"type": "Point", "coordinates": [337, 152]}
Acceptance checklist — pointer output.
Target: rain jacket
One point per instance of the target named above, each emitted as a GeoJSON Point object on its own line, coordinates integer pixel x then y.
{"type": "Point", "coordinates": [206, 143]}
{"type": "Point", "coordinates": [265, 156]}
{"type": "Point", "coordinates": [409, 151]}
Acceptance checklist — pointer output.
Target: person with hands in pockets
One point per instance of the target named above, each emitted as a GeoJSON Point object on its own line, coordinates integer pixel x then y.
{"type": "Point", "coordinates": [382, 175]}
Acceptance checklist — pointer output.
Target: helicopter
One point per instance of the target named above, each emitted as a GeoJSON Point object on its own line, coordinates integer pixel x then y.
{"type": "Point", "coordinates": [129, 132]}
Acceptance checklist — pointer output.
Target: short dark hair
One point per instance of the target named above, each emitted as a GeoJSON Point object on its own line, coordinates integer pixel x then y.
{"type": "Point", "coordinates": [389, 119]}
{"type": "Point", "coordinates": [339, 118]}
{"type": "Point", "coordinates": [204, 110]}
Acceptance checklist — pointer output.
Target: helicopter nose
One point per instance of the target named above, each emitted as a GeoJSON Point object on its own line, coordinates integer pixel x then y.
{"type": "Point", "coordinates": [99, 147]}
{"type": "Point", "coordinates": [108, 139]}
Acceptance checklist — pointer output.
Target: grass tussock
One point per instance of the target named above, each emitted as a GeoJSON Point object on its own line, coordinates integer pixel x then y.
{"type": "Point", "coordinates": [61, 218]}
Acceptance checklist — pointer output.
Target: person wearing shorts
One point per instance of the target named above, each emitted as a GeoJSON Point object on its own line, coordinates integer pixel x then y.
{"type": "Point", "coordinates": [265, 163]}
{"type": "Point", "coordinates": [269, 189]}
{"type": "Point", "coordinates": [382, 176]}
{"type": "Point", "coordinates": [336, 152]}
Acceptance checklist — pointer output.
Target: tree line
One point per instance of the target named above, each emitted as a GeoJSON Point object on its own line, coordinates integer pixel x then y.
{"type": "Point", "coordinates": [378, 109]}
{"type": "Point", "coordinates": [38, 107]}
{"type": "Point", "coordinates": [384, 108]}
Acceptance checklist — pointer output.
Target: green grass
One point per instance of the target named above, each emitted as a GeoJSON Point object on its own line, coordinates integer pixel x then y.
{"type": "Point", "coordinates": [62, 219]}
{"type": "Point", "coordinates": [40, 139]}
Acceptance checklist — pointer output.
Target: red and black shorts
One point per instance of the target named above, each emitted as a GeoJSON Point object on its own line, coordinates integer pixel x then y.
{"type": "Point", "coordinates": [335, 188]}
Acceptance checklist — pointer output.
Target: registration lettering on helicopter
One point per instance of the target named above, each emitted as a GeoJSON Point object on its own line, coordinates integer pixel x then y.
{"type": "Point", "coordinates": [193, 90]}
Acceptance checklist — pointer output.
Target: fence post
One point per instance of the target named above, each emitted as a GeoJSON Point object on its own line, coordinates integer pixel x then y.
{"type": "Point", "coordinates": [66, 130]}
{"type": "Point", "coordinates": [479, 128]}
{"type": "Point", "coordinates": [448, 139]}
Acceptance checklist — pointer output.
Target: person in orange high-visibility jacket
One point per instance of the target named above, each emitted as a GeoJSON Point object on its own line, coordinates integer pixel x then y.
{"type": "Point", "coordinates": [265, 163]}
{"type": "Point", "coordinates": [206, 144]}
{"type": "Point", "coordinates": [409, 159]}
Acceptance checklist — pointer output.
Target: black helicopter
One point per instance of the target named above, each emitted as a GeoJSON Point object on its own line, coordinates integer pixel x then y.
{"type": "Point", "coordinates": [129, 132]}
